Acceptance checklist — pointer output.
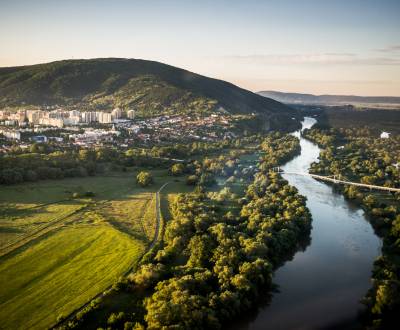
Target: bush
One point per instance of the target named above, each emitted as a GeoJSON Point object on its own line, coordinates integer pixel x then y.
{"type": "Point", "coordinates": [177, 169]}
{"type": "Point", "coordinates": [116, 319]}
{"type": "Point", "coordinates": [144, 178]}
{"type": "Point", "coordinates": [191, 180]}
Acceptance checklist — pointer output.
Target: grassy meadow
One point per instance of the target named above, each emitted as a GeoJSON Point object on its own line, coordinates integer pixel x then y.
{"type": "Point", "coordinates": [58, 252]}
{"type": "Point", "coordinates": [61, 272]}
{"type": "Point", "coordinates": [117, 301]}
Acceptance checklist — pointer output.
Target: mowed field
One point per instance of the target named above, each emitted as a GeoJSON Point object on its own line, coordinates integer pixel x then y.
{"type": "Point", "coordinates": [58, 252]}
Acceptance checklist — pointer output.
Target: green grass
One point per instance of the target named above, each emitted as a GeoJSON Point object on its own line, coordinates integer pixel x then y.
{"type": "Point", "coordinates": [175, 187]}
{"type": "Point", "coordinates": [117, 301]}
{"type": "Point", "coordinates": [62, 272]}
{"type": "Point", "coordinates": [149, 226]}
{"type": "Point", "coordinates": [18, 224]}
{"type": "Point", "coordinates": [71, 249]}
{"type": "Point", "coordinates": [28, 208]}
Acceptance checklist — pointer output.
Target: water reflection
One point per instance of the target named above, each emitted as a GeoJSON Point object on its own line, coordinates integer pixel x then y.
{"type": "Point", "coordinates": [321, 287]}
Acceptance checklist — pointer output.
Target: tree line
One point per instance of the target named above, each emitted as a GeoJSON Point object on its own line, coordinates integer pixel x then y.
{"type": "Point", "coordinates": [46, 161]}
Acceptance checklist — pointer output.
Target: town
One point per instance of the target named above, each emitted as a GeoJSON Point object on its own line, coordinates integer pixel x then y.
{"type": "Point", "coordinates": [100, 128]}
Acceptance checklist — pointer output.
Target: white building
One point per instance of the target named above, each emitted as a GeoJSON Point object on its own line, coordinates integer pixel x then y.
{"type": "Point", "coordinates": [58, 122]}
{"type": "Point", "coordinates": [11, 134]}
{"type": "Point", "coordinates": [130, 114]}
{"type": "Point", "coordinates": [105, 118]}
{"type": "Point", "coordinates": [116, 113]}
{"type": "Point", "coordinates": [11, 122]}
{"type": "Point", "coordinates": [89, 117]}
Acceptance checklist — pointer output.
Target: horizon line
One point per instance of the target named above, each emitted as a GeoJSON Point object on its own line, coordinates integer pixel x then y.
{"type": "Point", "coordinates": [220, 78]}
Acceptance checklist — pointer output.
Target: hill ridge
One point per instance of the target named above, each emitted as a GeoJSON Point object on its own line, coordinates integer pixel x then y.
{"type": "Point", "coordinates": [332, 99]}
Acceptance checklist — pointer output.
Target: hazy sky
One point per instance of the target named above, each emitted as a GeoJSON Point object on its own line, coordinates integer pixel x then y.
{"type": "Point", "coordinates": [315, 46]}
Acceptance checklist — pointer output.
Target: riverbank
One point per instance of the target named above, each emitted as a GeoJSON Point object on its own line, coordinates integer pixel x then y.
{"type": "Point", "coordinates": [322, 286]}
{"type": "Point", "coordinates": [372, 163]}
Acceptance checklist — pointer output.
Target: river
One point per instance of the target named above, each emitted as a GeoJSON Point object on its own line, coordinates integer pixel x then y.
{"type": "Point", "coordinates": [321, 287]}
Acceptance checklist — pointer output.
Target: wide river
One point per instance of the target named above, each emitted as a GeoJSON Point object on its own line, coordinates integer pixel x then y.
{"type": "Point", "coordinates": [321, 287]}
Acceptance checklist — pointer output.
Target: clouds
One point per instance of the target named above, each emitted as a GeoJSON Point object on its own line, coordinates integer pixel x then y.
{"type": "Point", "coordinates": [389, 49]}
{"type": "Point", "coordinates": [314, 59]}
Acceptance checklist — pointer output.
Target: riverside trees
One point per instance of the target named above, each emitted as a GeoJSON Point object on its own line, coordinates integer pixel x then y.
{"type": "Point", "coordinates": [357, 155]}
{"type": "Point", "coordinates": [219, 250]}
{"type": "Point", "coordinates": [214, 263]}
{"type": "Point", "coordinates": [218, 264]}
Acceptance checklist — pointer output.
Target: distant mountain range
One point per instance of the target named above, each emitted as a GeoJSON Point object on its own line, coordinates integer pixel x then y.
{"type": "Point", "coordinates": [151, 88]}
{"type": "Point", "coordinates": [297, 98]}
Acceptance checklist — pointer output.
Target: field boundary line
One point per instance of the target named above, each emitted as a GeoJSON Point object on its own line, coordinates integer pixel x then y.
{"type": "Point", "coordinates": [108, 289]}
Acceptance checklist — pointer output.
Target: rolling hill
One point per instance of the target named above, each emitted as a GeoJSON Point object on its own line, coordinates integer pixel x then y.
{"type": "Point", "coordinates": [298, 98]}
{"type": "Point", "coordinates": [151, 88]}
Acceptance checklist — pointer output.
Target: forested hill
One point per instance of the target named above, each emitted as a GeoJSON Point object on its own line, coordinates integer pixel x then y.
{"type": "Point", "coordinates": [328, 99]}
{"type": "Point", "coordinates": [147, 86]}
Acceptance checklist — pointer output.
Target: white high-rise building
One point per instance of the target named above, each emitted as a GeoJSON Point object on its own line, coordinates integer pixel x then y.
{"type": "Point", "coordinates": [130, 114]}
{"type": "Point", "coordinates": [105, 118]}
{"type": "Point", "coordinates": [116, 113]}
{"type": "Point", "coordinates": [89, 117]}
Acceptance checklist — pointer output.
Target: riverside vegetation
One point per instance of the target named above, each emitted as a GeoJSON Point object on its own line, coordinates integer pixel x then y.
{"type": "Point", "coordinates": [220, 247]}
{"type": "Point", "coordinates": [359, 155]}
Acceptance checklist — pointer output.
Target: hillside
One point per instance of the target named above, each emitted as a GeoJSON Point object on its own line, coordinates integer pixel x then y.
{"type": "Point", "coordinates": [151, 88]}
{"type": "Point", "coordinates": [298, 98]}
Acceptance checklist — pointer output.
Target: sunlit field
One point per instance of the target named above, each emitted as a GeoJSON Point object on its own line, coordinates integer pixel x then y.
{"type": "Point", "coordinates": [59, 251]}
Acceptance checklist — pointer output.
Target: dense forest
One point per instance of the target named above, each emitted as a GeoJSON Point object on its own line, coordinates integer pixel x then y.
{"type": "Point", "coordinates": [357, 155]}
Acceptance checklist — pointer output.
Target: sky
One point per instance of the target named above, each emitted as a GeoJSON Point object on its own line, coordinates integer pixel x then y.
{"type": "Point", "coordinates": [307, 46]}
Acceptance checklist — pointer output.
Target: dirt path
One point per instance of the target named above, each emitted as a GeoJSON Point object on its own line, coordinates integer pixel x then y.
{"type": "Point", "coordinates": [153, 242]}
{"type": "Point", "coordinates": [158, 216]}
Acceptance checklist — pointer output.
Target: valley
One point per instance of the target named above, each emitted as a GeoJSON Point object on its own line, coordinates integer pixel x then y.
{"type": "Point", "coordinates": [190, 215]}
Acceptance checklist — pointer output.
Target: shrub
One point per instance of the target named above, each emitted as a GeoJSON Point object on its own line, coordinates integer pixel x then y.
{"type": "Point", "coordinates": [191, 180]}
{"type": "Point", "coordinates": [177, 169]}
{"type": "Point", "coordinates": [144, 178]}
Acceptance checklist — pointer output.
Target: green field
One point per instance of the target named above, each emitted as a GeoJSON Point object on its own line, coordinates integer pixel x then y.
{"type": "Point", "coordinates": [59, 252]}
{"type": "Point", "coordinates": [117, 301]}
{"type": "Point", "coordinates": [61, 272]}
